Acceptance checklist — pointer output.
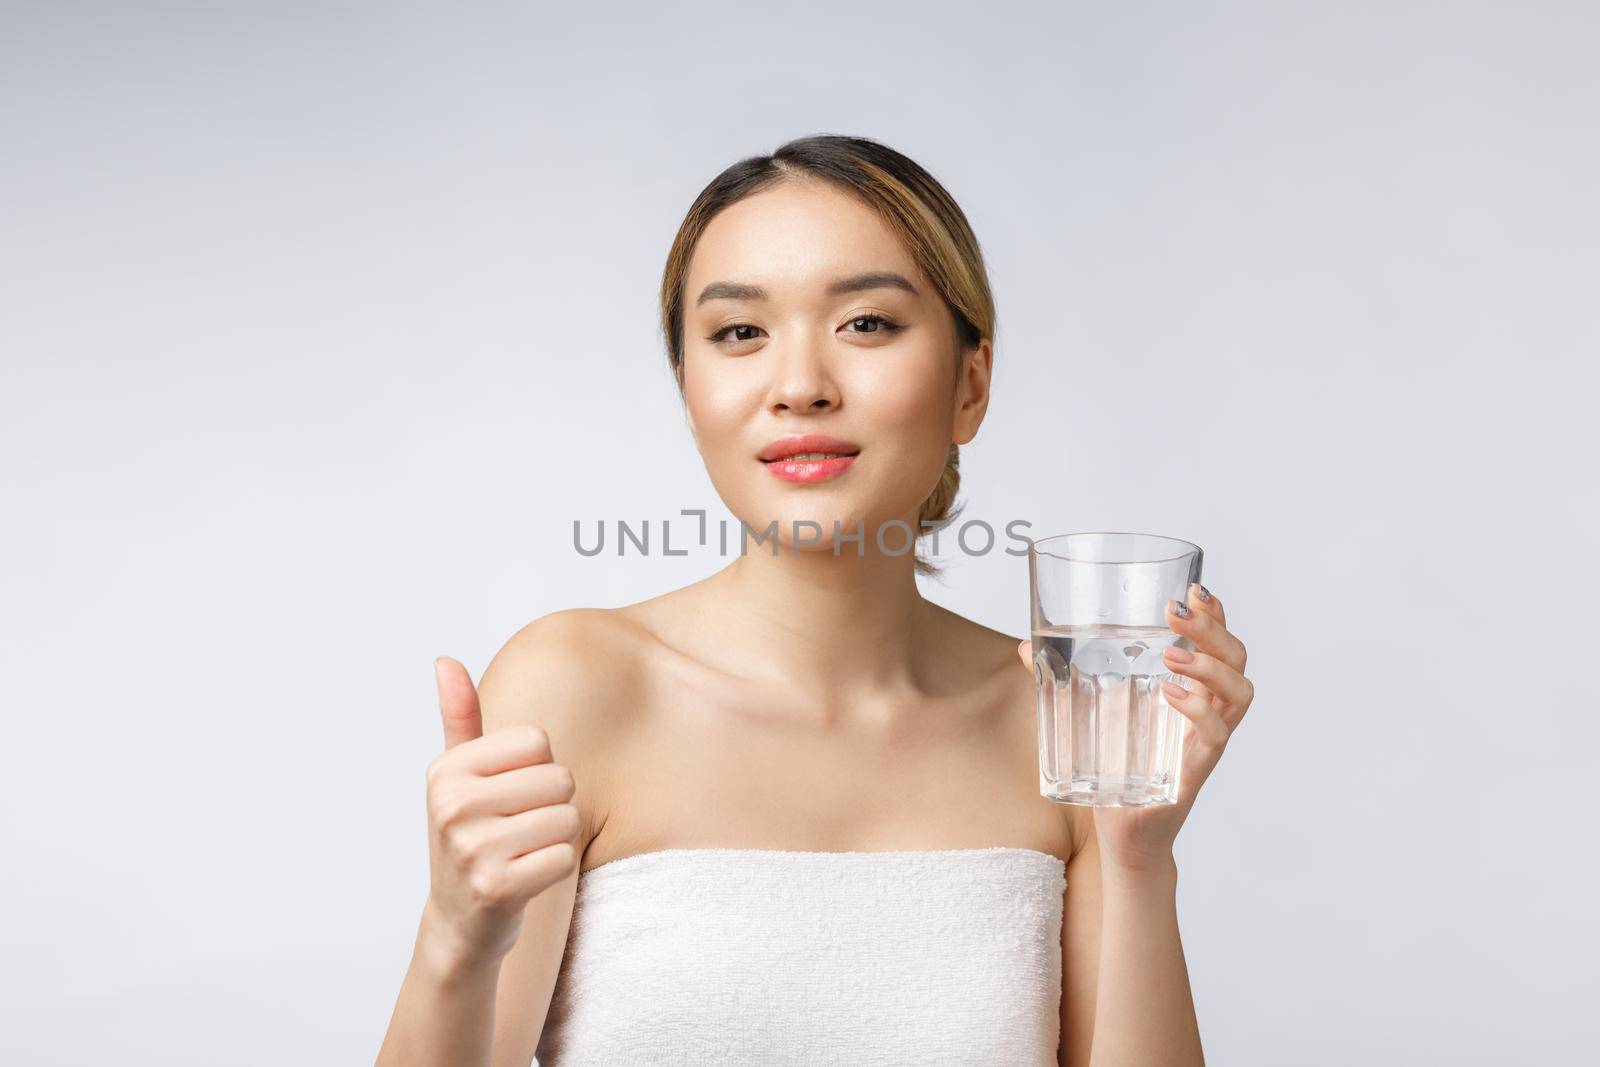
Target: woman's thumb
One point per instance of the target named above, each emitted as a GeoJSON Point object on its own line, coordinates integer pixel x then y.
{"type": "Point", "coordinates": [458, 702]}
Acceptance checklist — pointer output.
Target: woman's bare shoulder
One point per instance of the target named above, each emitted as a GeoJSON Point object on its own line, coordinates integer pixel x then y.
{"type": "Point", "coordinates": [572, 672]}
{"type": "Point", "coordinates": [577, 675]}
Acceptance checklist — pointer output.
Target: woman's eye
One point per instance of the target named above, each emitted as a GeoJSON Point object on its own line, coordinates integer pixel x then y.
{"type": "Point", "coordinates": [717, 337]}
{"type": "Point", "coordinates": [878, 323]}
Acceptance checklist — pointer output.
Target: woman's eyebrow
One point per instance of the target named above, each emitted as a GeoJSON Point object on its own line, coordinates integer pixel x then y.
{"type": "Point", "coordinates": [878, 279]}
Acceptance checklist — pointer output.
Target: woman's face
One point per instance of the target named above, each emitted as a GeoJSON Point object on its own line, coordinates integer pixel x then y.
{"type": "Point", "coordinates": [784, 335]}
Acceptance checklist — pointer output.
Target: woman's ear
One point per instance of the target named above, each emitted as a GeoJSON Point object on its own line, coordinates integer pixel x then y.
{"type": "Point", "coordinates": [972, 391]}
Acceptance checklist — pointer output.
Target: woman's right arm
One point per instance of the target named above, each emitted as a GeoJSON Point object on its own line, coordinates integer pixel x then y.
{"type": "Point", "coordinates": [507, 827]}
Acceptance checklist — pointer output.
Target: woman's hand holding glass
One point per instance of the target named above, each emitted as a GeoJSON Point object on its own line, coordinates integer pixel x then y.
{"type": "Point", "coordinates": [1138, 839]}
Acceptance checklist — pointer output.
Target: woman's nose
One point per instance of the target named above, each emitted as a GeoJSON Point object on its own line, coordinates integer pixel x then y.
{"type": "Point", "coordinates": [801, 380]}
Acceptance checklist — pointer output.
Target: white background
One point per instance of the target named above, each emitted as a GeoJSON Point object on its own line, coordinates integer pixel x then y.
{"type": "Point", "coordinates": [322, 323]}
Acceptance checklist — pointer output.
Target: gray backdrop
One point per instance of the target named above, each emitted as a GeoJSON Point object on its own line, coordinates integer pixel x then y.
{"type": "Point", "coordinates": [321, 324]}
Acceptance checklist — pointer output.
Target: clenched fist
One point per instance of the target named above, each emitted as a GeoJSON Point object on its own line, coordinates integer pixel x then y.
{"type": "Point", "coordinates": [501, 825]}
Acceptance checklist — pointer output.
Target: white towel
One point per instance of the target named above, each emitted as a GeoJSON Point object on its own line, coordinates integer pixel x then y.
{"type": "Point", "coordinates": [760, 956]}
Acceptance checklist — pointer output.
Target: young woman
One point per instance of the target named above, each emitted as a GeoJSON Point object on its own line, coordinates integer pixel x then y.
{"type": "Point", "coordinates": [790, 813]}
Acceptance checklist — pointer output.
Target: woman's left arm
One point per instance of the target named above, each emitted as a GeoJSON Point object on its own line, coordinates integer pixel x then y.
{"type": "Point", "coordinates": [1135, 989]}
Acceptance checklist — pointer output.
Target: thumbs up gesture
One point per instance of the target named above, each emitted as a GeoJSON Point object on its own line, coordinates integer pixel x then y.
{"type": "Point", "coordinates": [501, 825]}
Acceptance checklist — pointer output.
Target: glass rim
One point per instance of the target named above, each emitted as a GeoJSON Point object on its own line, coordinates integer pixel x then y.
{"type": "Point", "coordinates": [1189, 547]}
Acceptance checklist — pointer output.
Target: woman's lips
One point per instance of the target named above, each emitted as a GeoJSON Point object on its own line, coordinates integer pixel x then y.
{"type": "Point", "coordinates": [809, 470]}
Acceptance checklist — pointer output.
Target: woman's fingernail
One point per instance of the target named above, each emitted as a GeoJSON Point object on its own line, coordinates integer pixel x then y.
{"type": "Point", "coordinates": [1178, 654]}
{"type": "Point", "coordinates": [1174, 691]}
{"type": "Point", "coordinates": [1205, 594]}
{"type": "Point", "coordinates": [1180, 609]}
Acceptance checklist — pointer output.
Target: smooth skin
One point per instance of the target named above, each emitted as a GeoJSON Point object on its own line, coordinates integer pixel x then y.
{"type": "Point", "coordinates": [797, 701]}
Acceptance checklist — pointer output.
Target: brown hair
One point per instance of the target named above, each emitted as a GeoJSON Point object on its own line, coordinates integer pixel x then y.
{"type": "Point", "coordinates": [914, 205]}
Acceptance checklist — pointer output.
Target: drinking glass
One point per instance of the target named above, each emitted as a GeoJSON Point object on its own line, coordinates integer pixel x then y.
{"type": "Point", "coordinates": [1107, 736]}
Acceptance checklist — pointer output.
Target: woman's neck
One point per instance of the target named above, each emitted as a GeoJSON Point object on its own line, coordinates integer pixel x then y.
{"type": "Point", "coordinates": [828, 624]}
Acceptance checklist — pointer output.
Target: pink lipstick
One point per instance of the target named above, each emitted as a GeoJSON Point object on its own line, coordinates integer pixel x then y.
{"type": "Point", "coordinates": [810, 457]}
